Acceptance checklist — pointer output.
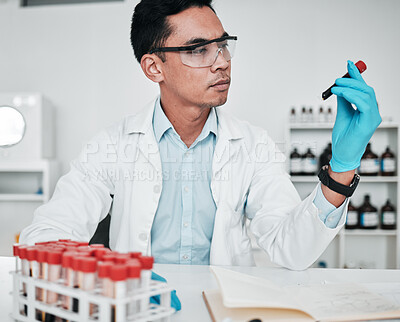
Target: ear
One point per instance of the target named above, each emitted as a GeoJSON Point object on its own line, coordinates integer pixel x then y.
{"type": "Point", "coordinates": [151, 65]}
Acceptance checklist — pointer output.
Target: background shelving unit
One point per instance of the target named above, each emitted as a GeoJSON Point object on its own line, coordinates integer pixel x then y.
{"type": "Point", "coordinates": [24, 186]}
{"type": "Point", "coordinates": [353, 248]}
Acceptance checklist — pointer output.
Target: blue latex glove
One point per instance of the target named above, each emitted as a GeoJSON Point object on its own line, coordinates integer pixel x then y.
{"type": "Point", "coordinates": [353, 128]}
{"type": "Point", "coordinates": [175, 303]}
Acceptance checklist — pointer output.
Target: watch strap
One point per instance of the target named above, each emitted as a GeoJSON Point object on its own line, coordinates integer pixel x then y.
{"type": "Point", "coordinates": [342, 189]}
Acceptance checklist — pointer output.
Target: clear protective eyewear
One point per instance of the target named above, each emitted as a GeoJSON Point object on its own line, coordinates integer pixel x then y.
{"type": "Point", "coordinates": [203, 54]}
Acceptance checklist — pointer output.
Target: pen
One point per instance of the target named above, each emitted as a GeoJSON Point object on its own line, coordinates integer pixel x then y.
{"type": "Point", "coordinates": [360, 66]}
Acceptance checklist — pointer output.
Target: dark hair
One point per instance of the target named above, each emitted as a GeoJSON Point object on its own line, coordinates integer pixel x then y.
{"type": "Point", "coordinates": [150, 29]}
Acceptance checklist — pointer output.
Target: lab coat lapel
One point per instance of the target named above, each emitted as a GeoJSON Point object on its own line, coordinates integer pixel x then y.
{"type": "Point", "coordinates": [142, 124]}
{"type": "Point", "coordinates": [226, 147]}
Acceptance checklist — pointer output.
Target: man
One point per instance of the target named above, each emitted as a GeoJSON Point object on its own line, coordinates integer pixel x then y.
{"type": "Point", "coordinates": [181, 177]}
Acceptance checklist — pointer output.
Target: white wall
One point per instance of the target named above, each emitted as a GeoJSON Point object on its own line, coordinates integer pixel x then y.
{"type": "Point", "coordinates": [288, 52]}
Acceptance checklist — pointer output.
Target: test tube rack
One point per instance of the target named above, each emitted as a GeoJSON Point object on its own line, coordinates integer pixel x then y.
{"type": "Point", "coordinates": [161, 312]}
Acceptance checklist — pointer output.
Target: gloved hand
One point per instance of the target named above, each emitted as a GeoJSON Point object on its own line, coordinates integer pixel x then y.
{"type": "Point", "coordinates": [353, 128]}
{"type": "Point", "coordinates": [175, 303]}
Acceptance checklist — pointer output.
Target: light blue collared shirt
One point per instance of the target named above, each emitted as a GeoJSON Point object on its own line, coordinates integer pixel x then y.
{"type": "Point", "coordinates": [184, 220]}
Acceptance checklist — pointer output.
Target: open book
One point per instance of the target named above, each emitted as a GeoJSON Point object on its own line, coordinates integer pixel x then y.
{"type": "Point", "coordinates": [242, 297]}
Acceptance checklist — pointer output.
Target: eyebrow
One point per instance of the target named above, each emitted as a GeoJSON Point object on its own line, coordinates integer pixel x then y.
{"type": "Point", "coordinates": [198, 40]}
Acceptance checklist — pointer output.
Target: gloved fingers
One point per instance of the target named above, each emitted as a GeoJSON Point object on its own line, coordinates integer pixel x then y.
{"type": "Point", "coordinates": [175, 302]}
{"type": "Point", "coordinates": [353, 71]}
{"type": "Point", "coordinates": [359, 99]}
{"type": "Point", "coordinates": [355, 84]}
{"type": "Point", "coordinates": [344, 109]}
{"type": "Point", "coordinates": [157, 277]}
{"type": "Point", "coordinates": [344, 115]}
{"type": "Point", "coordinates": [155, 299]}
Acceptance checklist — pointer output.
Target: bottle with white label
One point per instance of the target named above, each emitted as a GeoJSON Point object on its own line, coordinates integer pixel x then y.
{"type": "Point", "coordinates": [295, 163]}
{"type": "Point", "coordinates": [321, 115]}
{"type": "Point", "coordinates": [310, 115]}
{"type": "Point", "coordinates": [368, 215]}
{"type": "Point", "coordinates": [309, 163]}
{"type": "Point", "coordinates": [304, 115]}
{"type": "Point", "coordinates": [388, 216]}
{"type": "Point", "coordinates": [352, 217]}
{"type": "Point", "coordinates": [369, 165]}
{"type": "Point", "coordinates": [388, 163]}
{"type": "Point", "coordinates": [292, 117]}
{"type": "Point", "coordinates": [329, 116]}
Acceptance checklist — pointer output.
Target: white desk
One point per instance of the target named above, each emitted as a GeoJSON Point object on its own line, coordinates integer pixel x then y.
{"type": "Point", "coordinates": [190, 281]}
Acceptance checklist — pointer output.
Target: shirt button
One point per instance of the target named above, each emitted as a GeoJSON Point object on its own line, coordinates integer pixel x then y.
{"type": "Point", "coordinates": [185, 256]}
{"type": "Point", "coordinates": [143, 236]}
{"type": "Point", "coordinates": [185, 224]}
{"type": "Point", "coordinates": [186, 189]}
{"type": "Point", "coordinates": [156, 189]}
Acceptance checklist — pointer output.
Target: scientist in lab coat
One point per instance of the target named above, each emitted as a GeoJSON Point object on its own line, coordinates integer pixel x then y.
{"type": "Point", "coordinates": [181, 177]}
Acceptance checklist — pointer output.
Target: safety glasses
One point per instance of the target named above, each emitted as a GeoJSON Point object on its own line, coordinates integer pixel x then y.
{"type": "Point", "coordinates": [203, 54]}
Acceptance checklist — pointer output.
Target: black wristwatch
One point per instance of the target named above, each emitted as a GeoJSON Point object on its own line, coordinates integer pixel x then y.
{"type": "Point", "coordinates": [336, 186]}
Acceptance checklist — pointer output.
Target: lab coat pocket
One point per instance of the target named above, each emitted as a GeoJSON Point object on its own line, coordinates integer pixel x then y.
{"type": "Point", "coordinates": [237, 239]}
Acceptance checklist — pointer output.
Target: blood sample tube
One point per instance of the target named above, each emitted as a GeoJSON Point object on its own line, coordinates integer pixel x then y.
{"type": "Point", "coordinates": [100, 252]}
{"type": "Point", "coordinates": [87, 280]}
{"type": "Point", "coordinates": [96, 246]}
{"type": "Point", "coordinates": [41, 254]}
{"type": "Point", "coordinates": [135, 255]}
{"type": "Point", "coordinates": [109, 257]}
{"type": "Point", "coordinates": [68, 276]}
{"type": "Point", "coordinates": [118, 276]}
{"type": "Point", "coordinates": [86, 249]}
{"type": "Point", "coordinates": [77, 276]}
{"type": "Point", "coordinates": [16, 255]}
{"type": "Point", "coordinates": [42, 243]}
{"type": "Point", "coordinates": [121, 258]}
{"type": "Point", "coordinates": [134, 268]}
{"type": "Point", "coordinates": [145, 277]}
{"type": "Point", "coordinates": [22, 250]}
{"type": "Point", "coordinates": [103, 272]}
{"type": "Point", "coordinates": [33, 264]}
{"type": "Point", "coordinates": [53, 260]}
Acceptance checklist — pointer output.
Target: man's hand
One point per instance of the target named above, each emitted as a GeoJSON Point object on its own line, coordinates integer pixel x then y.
{"type": "Point", "coordinates": [353, 128]}
{"type": "Point", "coordinates": [175, 303]}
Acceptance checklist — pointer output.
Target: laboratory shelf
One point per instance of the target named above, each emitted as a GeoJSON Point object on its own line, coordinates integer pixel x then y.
{"type": "Point", "coordinates": [23, 166]}
{"type": "Point", "coordinates": [365, 232]}
{"type": "Point", "coordinates": [374, 179]}
{"type": "Point", "coordinates": [19, 183]}
{"type": "Point", "coordinates": [22, 197]}
{"type": "Point", "coordinates": [321, 126]}
{"type": "Point", "coordinates": [383, 248]}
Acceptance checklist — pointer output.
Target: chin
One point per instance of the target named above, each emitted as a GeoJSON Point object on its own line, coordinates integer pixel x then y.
{"type": "Point", "coordinates": [220, 100]}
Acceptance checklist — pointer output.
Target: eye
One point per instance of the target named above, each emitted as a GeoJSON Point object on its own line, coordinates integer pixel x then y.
{"type": "Point", "coordinates": [224, 45]}
{"type": "Point", "coordinates": [199, 51]}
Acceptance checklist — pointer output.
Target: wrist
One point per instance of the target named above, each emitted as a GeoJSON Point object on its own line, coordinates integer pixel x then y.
{"type": "Point", "coordinates": [342, 177]}
{"type": "Point", "coordinates": [340, 167]}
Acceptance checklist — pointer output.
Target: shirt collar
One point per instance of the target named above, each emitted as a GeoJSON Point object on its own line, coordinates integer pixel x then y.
{"type": "Point", "coordinates": [161, 123]}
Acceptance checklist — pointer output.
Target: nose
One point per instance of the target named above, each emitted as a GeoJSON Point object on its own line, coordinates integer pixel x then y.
{"type": "Point", "coordinates": [220, 61]}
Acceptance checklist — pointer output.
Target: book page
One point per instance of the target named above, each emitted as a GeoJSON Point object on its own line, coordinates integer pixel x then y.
{"type": "Point", "coordinates": [329, 302]}
{"type": "Point", "coordinates": [242, 290]}
{"type": "Point", "coordinates": [337, 302]}
{"type": "Point", "coordinates": [390, 291]}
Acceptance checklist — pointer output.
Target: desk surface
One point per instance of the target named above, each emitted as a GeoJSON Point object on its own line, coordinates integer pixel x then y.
{"type": "Point", "coordinates": [190, 280]}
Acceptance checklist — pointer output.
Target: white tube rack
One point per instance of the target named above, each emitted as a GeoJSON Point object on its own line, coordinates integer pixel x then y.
{"type": "Point", "coordinates": [161, 312]}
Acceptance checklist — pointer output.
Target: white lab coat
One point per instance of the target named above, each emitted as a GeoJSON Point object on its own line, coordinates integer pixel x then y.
{"type": "Point", "coordinates": [248, 179]}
